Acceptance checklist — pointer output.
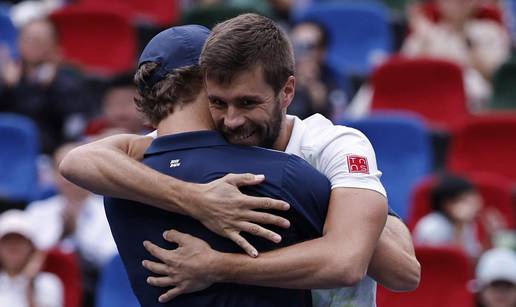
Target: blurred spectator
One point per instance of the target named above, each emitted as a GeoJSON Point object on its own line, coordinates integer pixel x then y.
{"type": "Point", "coordinates": [74, 220]}
{"type": "Point", "coordinates": [317, 87]}
{"type": "Point", "coordinates": [455, 203]}
{"type": "Point", "coordinates": [21, 282]}
{"type": "Point", "coordinates": [211, 12]}
{"type": "Point", "coordinates": [496, 278]}
{"type": "Point", "coordinates": [28, 10]}
{"type": "Point", "coordinates": [479, 45]}
{"type": "Point", "coordinates": [40, 87]}
{"type": "Point", "coordinates": [119, 112]}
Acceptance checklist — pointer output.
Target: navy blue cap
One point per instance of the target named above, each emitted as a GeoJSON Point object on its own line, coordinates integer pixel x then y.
{"type": "Point", "coordinates": [174, 48]}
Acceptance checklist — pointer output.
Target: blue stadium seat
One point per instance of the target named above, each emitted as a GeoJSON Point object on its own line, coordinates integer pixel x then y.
{"type": "Point", "coordinates": [114, 288]}
{"type": "Point", "coordinates": [403, 152]}
{"type": "Point", "coordinates": [19, 149]}
{"type": "Point", "coordinates": [8, 33]}
{"type": "Point", "coordinates": [359, 32]}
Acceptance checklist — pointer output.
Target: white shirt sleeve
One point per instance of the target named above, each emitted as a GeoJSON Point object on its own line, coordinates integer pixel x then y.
{"type": "Point", "coordinates": [48, 291]}
{"type": "Point", "coordinates": [343, 154]}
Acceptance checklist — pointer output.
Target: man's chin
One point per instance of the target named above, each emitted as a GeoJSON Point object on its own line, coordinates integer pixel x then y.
{"type": "Point", "coordinates": [250, 141]}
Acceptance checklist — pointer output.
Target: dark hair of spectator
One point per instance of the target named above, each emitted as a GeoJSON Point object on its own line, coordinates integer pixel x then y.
{"type": "Point", "coordinates": [325, 37]}
{"type": "Point", "coordinates": [121, 80]}
{"type": "Point", "coordinates": [244, 42]}
{"type": "Point", "coordinates": [448, 188]}
{"type": "Point", "coordinates": [157, 101]}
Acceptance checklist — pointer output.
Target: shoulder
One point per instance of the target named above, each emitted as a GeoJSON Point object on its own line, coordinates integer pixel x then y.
{"type": "Point", "coordinates": [320, 132]}
{"type": "Point", "coordinates": [304, 182]}
{"type": "Point", "coordinates": [45, 280]}
{"type": "Point", "coordinates": [301, 170]}
{"type": "Point", "coordinates": [485, 30]}
{"type": "Point", "coordinates": [253, 152]}
{"type": "Point", "coordinates": [433, 228]}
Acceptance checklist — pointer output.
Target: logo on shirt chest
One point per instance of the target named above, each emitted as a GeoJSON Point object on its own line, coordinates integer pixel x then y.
{"type": "Point", "coordinates": [175, 163]}
{"type": "Point", "coordinates": [358, 164]}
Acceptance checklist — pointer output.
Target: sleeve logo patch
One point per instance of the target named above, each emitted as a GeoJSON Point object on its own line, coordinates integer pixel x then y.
{"type": "Point", "coordinates": [358, 164]}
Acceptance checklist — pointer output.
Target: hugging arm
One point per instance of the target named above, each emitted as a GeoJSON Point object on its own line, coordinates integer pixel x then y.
{"type": "Point", "coordinates": [339, 258]}
{"type": "Point", "coordinates": [111, 167]}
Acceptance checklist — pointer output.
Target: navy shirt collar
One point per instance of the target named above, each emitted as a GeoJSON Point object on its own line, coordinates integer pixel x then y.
{"type": "Point", "coordinates": [186, 140]}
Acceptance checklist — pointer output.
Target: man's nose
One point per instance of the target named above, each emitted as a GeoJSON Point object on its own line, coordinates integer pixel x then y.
{"type": "Point", "coordinates": [234, 118]}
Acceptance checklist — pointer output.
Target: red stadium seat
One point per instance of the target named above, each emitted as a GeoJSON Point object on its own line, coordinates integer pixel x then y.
{"type": "Point", "coordinates": [485, 144]}
{"type": "Point", "coordinates": [433, 88]}
{"type": "Point", "coordinates": [66, 267]}
{"type": "Point", "coordinates": [486, 12]}
{"type": "Point", "coordinates": [496, 191]}
{"type": "Point", "coordinates": [158, 12]}
{"type": "Point", "coordinates": [102, 42]}
{"type": "Point", "coordinates": [445, 273]}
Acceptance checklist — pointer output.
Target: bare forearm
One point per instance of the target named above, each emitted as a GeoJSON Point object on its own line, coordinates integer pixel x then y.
{"type": "Point", "coordinates": [307, 265]}
{"type": "Point", "coordinates": [394, 264]}
{"type": "Point", "coordinates": [107, 169]}
{"type": "Point", "coordinates": [339, 259]}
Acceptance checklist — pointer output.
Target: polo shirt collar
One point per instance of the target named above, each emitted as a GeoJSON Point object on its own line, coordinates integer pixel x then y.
{"type": "Point", "coordinates": [186, 140]}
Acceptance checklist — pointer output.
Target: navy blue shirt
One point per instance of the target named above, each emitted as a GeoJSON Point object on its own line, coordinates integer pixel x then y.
{"type": "Point", "coordinates": [202, 157]}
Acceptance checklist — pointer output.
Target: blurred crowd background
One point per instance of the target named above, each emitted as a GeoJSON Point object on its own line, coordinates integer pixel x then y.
{"type": "Point", "coordinates": [431, 83]}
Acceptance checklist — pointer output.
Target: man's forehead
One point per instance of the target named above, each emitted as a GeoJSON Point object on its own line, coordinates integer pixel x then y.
{"type": "Point", "coordinates": [246, 84]}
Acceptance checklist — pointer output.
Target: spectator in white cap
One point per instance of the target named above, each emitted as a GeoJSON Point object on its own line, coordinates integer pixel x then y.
{"type": "Point", "coordinates": [21, 282]}
{"type": "Point", "coordinates": [496, 278]}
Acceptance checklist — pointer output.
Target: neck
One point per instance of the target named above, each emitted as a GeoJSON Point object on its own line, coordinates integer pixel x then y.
{"type": "Point", "coordinates": [189, 117]}
{"type": "Point", "coordinates": [12, 272]}
{"type": "Point", "coordinates": [285, 132]}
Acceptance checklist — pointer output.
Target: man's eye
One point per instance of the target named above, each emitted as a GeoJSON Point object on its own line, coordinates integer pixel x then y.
{"type": "Point", "coordinates": [217, 103]}
{"type": "Point", "coordinates": [247, 103]}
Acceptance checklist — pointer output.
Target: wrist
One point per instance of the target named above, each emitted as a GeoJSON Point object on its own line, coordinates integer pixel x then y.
{"type": "Point", "coordinates": [186, 198]}
{"type": "Point", "coordinates": [220, 268]}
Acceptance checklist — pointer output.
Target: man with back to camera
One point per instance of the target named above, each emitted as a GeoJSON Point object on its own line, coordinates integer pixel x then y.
{"type": "Point", "coordinates": [341, 257]}
{"type": "Point", "coordinates": [171, 97]}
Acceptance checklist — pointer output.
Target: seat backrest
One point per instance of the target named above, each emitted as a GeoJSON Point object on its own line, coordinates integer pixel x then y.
{"type": "Point", "coordinates": [430, 87]}
{"type": "Point", "coordinates": [496, 191]}
{"type": "Point", "coordinates": [403, 152]}
{"type": "Point", "coordinates": [485, 12]}
{"type": "Point", "coordinates": [66, 267]}
{"type": "Point", "coordinates": [19, 143]}
{"type": "Point", "coordinates": [359, 33]}
{"type": "Point", "coordinates": [485, 144]}
{"type": "Point", "coordinates": [162, 13]}
{"type": "Point", "coordinates": [445, 273]}
{"type": "Point", "coordinates": [114, 288]}
{"type": "Point", "coordinates": [504, 91]}
{"type": "Point", "coordinates": [100, 40]}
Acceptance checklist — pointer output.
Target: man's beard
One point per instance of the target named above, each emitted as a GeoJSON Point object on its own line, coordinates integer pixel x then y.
{"type": "Point", "coordinates": [265, 134]}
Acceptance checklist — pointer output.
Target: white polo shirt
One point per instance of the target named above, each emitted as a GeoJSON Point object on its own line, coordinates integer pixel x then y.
{"type": "Point", "coordinates": [347, 158]}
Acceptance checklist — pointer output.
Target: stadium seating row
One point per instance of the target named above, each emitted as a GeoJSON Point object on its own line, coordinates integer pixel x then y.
{"type": "Point", "coordinates": [404, 151]}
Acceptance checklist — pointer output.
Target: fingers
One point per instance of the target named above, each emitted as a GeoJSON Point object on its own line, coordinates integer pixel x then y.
{"type": "Point", "coordinates": [170, 294]}
{"type": "Point", "coordinates": [165, 281]}
{"type": "Point", "coordinates": [243, 179]}
{"type": "Point", "coordinates": [268, 219]}
{"type": "Point", "coordinates": [155, 250]}
{"type": "Point", "coordinates": [175, 236]}
{"type": "Point", "coordinates": [264, 203]}
{"type": "Point", "coordinates": [259, 231]}
{"type": "Point", "coordinates": [240, 241]}
{"type": "Point", "coordinates": [155, 267]}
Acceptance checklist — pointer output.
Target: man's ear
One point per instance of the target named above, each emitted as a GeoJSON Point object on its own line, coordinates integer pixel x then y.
{"type": "Point", "coordinates": [288, 91]}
